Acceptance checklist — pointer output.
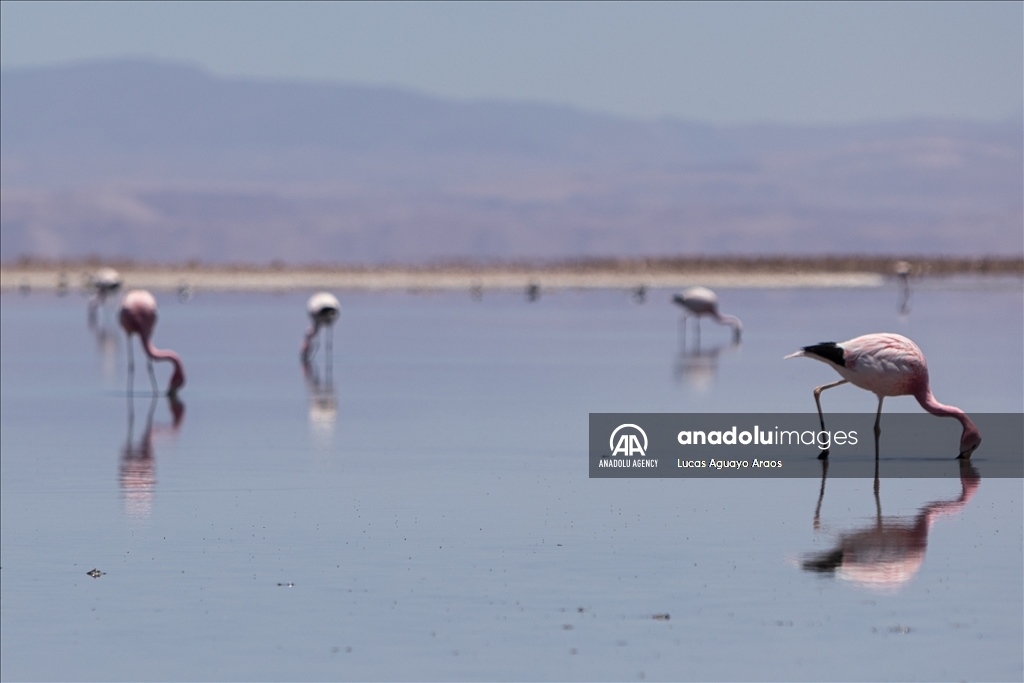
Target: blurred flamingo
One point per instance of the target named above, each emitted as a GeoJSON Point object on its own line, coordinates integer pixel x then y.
{"type": "Point", "coordinates": [323, 309]}
{"type": "Point", "coordinates": [138, 464]}
{"type": "Point", "coordinates": [138, 316]}
{"type": "Point", "coordinates": [888, 365]}
{"type": "Point", "coordinates": [700, 302]}
{"type": "Point", "coordinates": [104, 284]}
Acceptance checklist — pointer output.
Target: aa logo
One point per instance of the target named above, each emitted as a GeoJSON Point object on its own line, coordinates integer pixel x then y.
{"type": "Point", "coordinates": [628, 444]}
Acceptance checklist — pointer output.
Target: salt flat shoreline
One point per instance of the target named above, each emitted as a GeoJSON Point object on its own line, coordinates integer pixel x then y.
{"type": "Point", "coordinates": [838, 272]}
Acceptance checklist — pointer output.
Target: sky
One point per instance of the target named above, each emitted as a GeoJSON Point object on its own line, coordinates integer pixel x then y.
{"type": "Point", "coordinates": [799, 63]}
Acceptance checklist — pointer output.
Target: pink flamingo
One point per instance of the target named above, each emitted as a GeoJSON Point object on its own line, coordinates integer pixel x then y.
{"type": "Point", "coordinates": [138, 316]}
{"type": "Point", "coordinates": [888, 365]}
{"type": "Point", "coordinates": [323, 309]}
{"type": "Point", "coordinates": [701, 301]}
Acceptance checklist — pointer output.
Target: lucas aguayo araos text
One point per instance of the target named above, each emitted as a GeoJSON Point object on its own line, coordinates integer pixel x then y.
{"type": "Point", "coordinates": [717, 445]}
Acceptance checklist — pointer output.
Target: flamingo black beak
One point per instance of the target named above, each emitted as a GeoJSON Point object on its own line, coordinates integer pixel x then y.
{"type": "Point", "coordinates": [966, 455]}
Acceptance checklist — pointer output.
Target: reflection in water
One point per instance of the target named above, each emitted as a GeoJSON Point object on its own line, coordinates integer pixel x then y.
{"type": "Point", "coordinates": [323, 405]}
{"type": "Point", "coordinates": [698, 366]}
{"type": "Point", "coordinates": [137, 472]}
{"type": "Point", "coordinates": [889, 552]}
{"type": "Point", "coordinates": [106, 346]}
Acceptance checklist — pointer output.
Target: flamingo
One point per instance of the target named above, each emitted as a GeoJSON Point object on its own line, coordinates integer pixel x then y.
{"type": "Point", "coordinates": [888, 365]}
{"type": "Point", "coordinates": [104, 283]}
{"type": "Point", "coordinates": [903, 270]}
{"type": "Point", "coordinates": [323, 310]}
{"type": "Point", "coordinates": [701, 301]}
{"type": "Point", "coordinates": [138, 316]}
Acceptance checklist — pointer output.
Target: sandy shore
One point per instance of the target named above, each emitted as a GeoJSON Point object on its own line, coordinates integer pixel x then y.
{"type": "Point", "coordinates": [666, 273]}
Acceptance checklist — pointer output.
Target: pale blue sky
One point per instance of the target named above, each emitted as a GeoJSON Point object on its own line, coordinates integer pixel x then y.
{"type": "Point", "coordinates": [724, 63]}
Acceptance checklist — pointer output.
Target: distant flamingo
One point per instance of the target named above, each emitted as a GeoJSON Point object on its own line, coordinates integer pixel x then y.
{"type": "Point", "coordinates": [903, 270]}
{"type": "Point", "coordinates": [104, 284]}
{"type": "Point", "coordinates": [138, 316]}
{"type": "Point", "coordinates": [888, 365]}
{"type": "Point", "coordinates": [323, 309]}
{"type": "Point", "coordinates": [701, 301]}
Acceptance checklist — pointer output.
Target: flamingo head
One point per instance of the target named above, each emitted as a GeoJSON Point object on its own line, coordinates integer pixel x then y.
{"type": "Point", "coordinates": [737, 331]}
{"type": "Point", "coordinates": [177, 380]}
{"type": "Point", "coordinates": [969, 441]}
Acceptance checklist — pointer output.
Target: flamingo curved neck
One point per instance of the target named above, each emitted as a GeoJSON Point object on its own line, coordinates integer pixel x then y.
{"type": "Point", "coordinates": [308, 339]}
{"type": "Point", "coordinates": [928, 402]}
{"type": "Point", "coordinates": [178, 378]}
{"type": "Point", "coordinates": [729, 320]}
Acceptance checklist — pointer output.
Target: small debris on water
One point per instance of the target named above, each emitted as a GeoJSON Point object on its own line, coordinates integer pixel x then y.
{"type": "Point", "coordinates": [95, 573]}
{"type": "Point", "coordinates": [662, 617]}
{"type": "Point", "coordinates": [286, 585]}
{"type": "Point", "coordinates": [899, 629]}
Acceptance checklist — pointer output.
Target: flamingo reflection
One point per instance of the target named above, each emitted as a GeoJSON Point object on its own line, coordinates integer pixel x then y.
{"type": "Point", "coordinates": [698, 366]}
{"type": "Point", "coordinates": [889, 552]}
{"type": "Point", "coordinates": [137, 471]}
{"type": "Point", "coordinates": [323, 404]}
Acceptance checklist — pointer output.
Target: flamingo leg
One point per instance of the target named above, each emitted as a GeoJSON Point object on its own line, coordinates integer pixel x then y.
{"type": "Point", "coordinates": [821, 417]}
{"type": "Point", "coordinates": [152, 376]}
{"type": "Point", "coordinates": [878, 416]}
{"type": "Point", "coordinates": [821, 495]}
{"type": "Point", "coordinates": [878, 501]}
{"type": "Point", "coordinates": [329, 345]}
{"type": "Point", "coordinates": [817, 398]}
{"type": "Point", "coordinates": [131, 366]}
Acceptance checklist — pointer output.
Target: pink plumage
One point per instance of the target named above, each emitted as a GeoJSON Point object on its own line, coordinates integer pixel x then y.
{"type": "Point", "coordinates": [137, 315]}
{"type": "Point", "coordinates": [887, 365]}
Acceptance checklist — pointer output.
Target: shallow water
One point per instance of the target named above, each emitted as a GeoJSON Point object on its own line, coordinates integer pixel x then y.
{"type": "Point", "coordinates": [429, 516]}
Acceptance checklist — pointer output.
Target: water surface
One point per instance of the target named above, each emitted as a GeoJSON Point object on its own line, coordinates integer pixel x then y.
{"type": "Point", "coordinates": [427, 514]}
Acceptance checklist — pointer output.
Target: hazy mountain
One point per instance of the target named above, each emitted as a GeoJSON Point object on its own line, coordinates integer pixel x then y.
{"type": "Point", "coordinates": [155, 161]}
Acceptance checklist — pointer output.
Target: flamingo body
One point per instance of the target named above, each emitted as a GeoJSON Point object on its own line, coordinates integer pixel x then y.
{"type": "Point", "coordinates": [323, 307]}
{"type": "Point", "coordinates": [888, 365]}
{"type": "Point", "coordinates": [701, 301]}
{"type": "Point", "coordinates": [106, 281]}
{"type": "Point", "coordinates": [137, 315]}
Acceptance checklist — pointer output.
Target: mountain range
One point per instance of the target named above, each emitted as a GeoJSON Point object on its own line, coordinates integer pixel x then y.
{"type": "Point", "coordinates": [165, 162]}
